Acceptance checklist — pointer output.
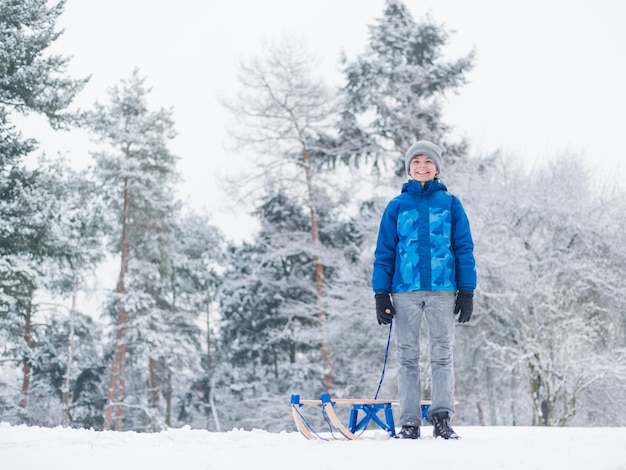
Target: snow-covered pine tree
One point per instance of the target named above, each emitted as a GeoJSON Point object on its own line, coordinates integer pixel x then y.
{"type": "Point", "coordinates": [197, 279]}
{"type": "Point", "coordinates": [137, 172]}
{"type": "Point", "coordinates": [269, 333]}
{"type": "Point", "coordinates": [50, 365]}
{"type": "Point", "coordinates": [395, 88]}
{"type": "Point", "coordinates": [79, 230]}
{"type": "Point", "coordinates": [30, 81]}
{"type": "Point", "coordinates": [59, 212]}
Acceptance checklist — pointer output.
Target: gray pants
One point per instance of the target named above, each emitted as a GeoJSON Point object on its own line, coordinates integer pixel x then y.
{"type": "Point", "coordinates": [438, 309]}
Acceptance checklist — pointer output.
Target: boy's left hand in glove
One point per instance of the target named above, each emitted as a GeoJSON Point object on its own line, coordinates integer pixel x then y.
{"type": "Point", "coordinates": [464, 305]}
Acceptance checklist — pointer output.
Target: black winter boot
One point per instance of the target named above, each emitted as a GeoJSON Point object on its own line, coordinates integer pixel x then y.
{"type": "Point", "coordinates": [441, 425]}
{"type": "Point", "coordinates": [409, 432]}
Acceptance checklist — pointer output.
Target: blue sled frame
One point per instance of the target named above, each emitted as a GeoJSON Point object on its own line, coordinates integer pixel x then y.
{"type": "Point", "coordinates": [362, 413]}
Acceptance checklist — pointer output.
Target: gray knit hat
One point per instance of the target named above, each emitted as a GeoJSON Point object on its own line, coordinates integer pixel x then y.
{"type": "Point", "coordinates": [423, 147]}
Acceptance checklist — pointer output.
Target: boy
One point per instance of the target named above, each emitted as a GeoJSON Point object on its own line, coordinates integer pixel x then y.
{"type": "Point", "coordinates": [424, 268]}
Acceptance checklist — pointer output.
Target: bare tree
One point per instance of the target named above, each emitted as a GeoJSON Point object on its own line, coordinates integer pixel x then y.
{"type": "Point", "coordinates": [284, 114]}
{"type": "Point", "coordinates": [547, 331]}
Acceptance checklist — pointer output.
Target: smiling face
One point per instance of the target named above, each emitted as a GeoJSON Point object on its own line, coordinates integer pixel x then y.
{"type": "Point", "coordinates": [423, 168]}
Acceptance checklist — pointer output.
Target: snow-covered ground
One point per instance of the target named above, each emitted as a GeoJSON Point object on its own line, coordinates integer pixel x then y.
{"type": "Point", "coordinates": [484, 448]}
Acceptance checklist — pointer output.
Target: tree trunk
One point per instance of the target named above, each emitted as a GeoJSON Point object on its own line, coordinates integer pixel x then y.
{"type": "Point", "coordinates": [121, 386]}
{"type": "Point", "coordinates": [207, 390]}
{"type": "Point", "coordinates": [168, 394]}
{"type": "Point", "coordinates": [26, 369]}
{"type": "Point", "coordinates": [65, 416]}
{"type": "Point", "coordinates": [319, 274]}
{"type": "Point", "coordinates": [154, 384]}
{"type": "Point", "coordinates": [545, 412]}
{"type": "Point", "coordinates": [534, 393]}
{"type": "Point", "coordinates": [117, 383]}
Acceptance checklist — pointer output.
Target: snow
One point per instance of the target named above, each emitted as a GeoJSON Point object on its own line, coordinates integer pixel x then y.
{"type": "Point", "coordinates": [36, 448]}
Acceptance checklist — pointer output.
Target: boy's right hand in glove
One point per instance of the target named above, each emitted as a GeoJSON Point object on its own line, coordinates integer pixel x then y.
{"type": "Point", "coordinates": [384, 308]}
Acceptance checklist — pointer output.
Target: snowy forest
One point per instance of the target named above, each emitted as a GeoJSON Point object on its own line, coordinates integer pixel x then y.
{"type": "Point", "coordinates": [205, 332]}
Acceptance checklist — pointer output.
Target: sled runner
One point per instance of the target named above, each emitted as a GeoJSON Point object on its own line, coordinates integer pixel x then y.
{"type": "Point", "coordinates": [368, 408]}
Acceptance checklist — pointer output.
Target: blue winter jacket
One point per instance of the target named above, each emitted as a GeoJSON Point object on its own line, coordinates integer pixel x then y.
{"type": "Point", "coordinates": [424, 242]}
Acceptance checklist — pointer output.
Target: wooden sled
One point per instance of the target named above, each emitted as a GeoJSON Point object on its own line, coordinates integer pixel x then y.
{"type": "Point", "coordinates": [369, 407]}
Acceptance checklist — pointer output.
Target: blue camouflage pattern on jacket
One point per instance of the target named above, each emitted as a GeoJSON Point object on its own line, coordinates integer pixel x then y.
{"type": "Point", "coordinates": [424, 242]}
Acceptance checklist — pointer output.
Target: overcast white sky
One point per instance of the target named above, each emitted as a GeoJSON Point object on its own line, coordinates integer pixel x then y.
{"type": "Point", "coordinates": [549, 74]}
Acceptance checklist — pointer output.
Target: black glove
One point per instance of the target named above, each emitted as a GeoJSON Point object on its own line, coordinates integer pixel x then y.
{"type": "Point", "coordinates": [384, 308]}
{"type": "Point", "coordinates": [464, 305]}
